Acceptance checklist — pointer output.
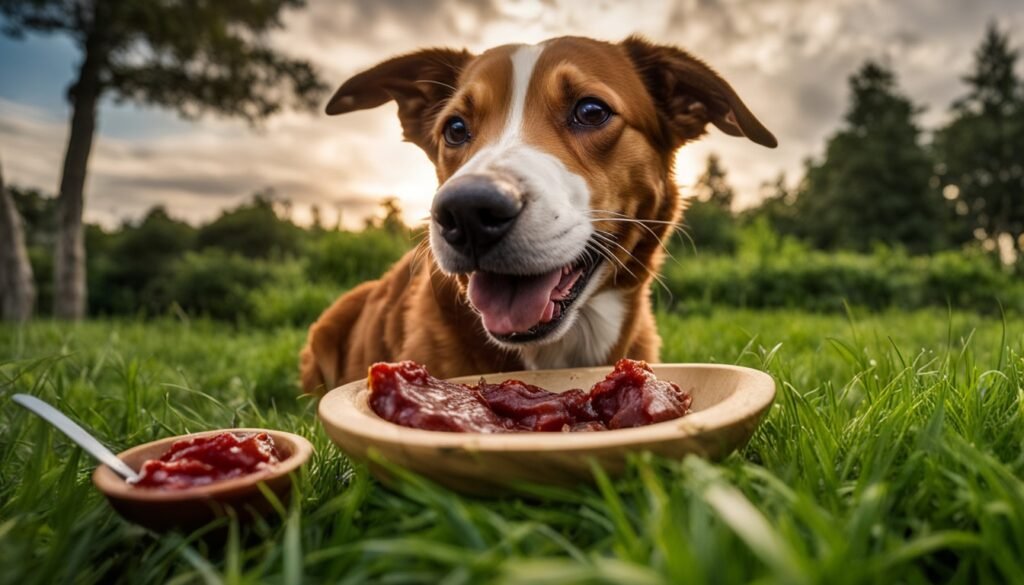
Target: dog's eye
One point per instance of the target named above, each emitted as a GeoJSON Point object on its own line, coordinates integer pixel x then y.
{"type": "Point", "coordinates": [591, 112]}
{"type": "Point", "coordinates": [456, 132]}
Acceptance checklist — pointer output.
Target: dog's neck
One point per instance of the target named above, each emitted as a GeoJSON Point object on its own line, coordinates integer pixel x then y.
{"type": "Point", "coordinates": [597, 330]}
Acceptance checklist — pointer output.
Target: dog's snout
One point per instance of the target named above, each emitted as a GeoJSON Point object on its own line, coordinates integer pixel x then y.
{"type": "Point", "coordinates": [474, 212]}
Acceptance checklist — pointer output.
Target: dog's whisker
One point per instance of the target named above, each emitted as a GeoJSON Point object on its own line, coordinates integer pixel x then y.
{"type": "Point", "coordinates": [661, 242]}
{"type": "Point", "coordinates": [599, 249]}
{"type": "Point", "coordinates": [623, 217]}
{"type": "Point", "coordinates": [420, 252]}
{"type": "Point", "coordinates": [635, 220]}
{"type": "Point", "coordinates": [597, 244]}
{"type": "Point", "coordinates": [654, 276]}
{"type": "Point", "coordinates": [657, 237]}
{"type": "Point", "coordinates": [609, 257]}
{"type": "Point", "coordinates": [631, 221]}
{"type": "Point", "coordinates": [602, 240]}
{"type": "Point", "coordinates": [681, 230]}
{"type": "Point", "coordinates": [641, 222]}
{"type": "Point", "coordinates": [604, 245]}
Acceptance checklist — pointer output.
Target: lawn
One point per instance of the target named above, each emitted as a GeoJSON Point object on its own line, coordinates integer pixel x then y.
{"type": "Point", "coordinates": [893, 454]}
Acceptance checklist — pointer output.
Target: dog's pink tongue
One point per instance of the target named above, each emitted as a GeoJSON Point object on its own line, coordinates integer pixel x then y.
{"type": "Point", "coordinates": [512, 304]}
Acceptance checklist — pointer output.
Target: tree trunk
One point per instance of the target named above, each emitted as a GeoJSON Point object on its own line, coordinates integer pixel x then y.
{"type": "Point", "coordinates": [69, 297]}
{"type": "Point", "coordinates": [17, 287]}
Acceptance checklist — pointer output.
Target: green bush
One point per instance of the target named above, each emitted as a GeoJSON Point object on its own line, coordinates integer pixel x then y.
{"type": "Point", "coordinates": [223, 284]}
{"type": "Point", "coordinates": [710, 226]}
{"type": "Point", "coordinates": [349, 258]}
{"type": "Point", "coordinates": [969, 279]}
{"type": "Point", "coordinates": [298, 303]}
{"type": "Point", "coordinates": [128, 269]}
{"type": "Point", "coordinates": [253, 230]}
{"type": "Point", "coordinates": [150, 268]}
{"type": "Point", "coordinates": [769, 271]}
{"type": "Point", "coordinates": [218, 285]}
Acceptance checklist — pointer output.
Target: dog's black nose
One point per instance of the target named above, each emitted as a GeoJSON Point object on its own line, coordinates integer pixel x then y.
{"type": "Point", "coordinates": [473, 213]}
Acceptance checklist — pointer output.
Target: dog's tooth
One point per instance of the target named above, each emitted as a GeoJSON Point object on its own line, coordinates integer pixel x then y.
{"type": "Point", "coordinates": [549, 312]}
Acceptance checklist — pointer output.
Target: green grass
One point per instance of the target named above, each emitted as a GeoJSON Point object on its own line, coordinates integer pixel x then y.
{"type": "Point", "coordinates": [893, 454]}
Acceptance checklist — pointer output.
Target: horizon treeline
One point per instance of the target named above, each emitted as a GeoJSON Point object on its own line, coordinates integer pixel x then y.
{"type": "Point", "coordinates": [882, 183]}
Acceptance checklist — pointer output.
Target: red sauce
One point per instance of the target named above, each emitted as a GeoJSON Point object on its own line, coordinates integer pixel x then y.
{"type": "Point", "coordinates": [205, 460]}
{"type": "Point", "coordinates": [630, 396]}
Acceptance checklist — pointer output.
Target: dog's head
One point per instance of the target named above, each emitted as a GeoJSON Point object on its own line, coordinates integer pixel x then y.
{"type": "Point", "coordinates": [555, 166]}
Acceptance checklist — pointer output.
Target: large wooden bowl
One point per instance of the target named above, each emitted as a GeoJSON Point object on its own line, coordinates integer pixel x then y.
{"type": "Point", "coordinates": [191, 508]}
{"type": "Point", "coordinates": [728, 402]}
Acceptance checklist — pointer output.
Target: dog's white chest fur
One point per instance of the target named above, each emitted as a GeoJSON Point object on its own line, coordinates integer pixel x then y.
{"type": "Point", "coordinates": [588, 341]}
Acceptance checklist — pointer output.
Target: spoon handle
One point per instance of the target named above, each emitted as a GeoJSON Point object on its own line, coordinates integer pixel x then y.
{"type": "Point", "coordinates": [77, 434]}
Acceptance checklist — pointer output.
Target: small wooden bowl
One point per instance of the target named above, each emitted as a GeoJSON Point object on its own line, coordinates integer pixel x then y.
{"type": "Point", "coordinates": [191, 508]}
{"type": "Point", "coordinates": [728, 402]}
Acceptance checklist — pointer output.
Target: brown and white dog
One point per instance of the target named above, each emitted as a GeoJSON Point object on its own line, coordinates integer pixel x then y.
{"type": "Point", "coordinates": [556, 193]}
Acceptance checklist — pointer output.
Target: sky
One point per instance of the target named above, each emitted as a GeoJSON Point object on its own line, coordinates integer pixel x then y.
{"type": "Point", "coordinates": [787, 59]}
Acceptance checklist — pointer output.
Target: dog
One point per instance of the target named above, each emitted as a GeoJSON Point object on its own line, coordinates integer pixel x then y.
{"type": "Point", "coordinates": [556, 194]}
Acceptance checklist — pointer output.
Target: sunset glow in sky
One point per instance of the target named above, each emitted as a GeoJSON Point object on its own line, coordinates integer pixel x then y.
{"type": "Point", "coordinates": [788, 59]}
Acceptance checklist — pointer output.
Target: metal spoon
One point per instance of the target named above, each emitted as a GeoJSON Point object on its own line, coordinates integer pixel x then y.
{"type": "Point", "coordinates": [77, 434]}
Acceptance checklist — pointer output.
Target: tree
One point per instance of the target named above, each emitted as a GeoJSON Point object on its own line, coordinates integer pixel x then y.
{"type": "Point", "coordinates": [712, 185]}
{"type": "Point", "coordinates": [316, 221]}
{"type": "Point", "coordinates": [391, 221]}
{"type": "Point", "coordinates": [38, 214]}
{"type": "Point", "coordinates": [339, 214]}
{"type": "Point", "coordinates": [708, 218]}
{"type": "Point", "coordinates": [873, 183]}
{"type": "Point", "coordinates": [777, 207]}
{"type": "Point", "coordinates": [981, 149]}
{"type": "Point", "coordinates": [190, 56]}
{"type": "Point", "coordinates": [17, 286]}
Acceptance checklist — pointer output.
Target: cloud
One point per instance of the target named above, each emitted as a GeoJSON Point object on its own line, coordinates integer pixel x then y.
{"type": "Point", "coordinates": [197, 174]}
{"type": "Point", "coordinates": [788, 59]}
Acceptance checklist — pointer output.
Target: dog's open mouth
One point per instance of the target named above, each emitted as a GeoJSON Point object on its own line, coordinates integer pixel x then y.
{"type": "Point", "coordinates": [518, 309]}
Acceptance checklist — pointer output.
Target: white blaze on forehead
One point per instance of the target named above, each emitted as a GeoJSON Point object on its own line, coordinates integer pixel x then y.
{"type": "Point", "coordinates": [524, 60]}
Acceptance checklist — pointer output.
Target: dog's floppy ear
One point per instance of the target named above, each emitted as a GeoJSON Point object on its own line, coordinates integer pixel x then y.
{"type": "Point", "coordinates": [419, 82]}
{"type": "Point", "coordinates": [689, 94]}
